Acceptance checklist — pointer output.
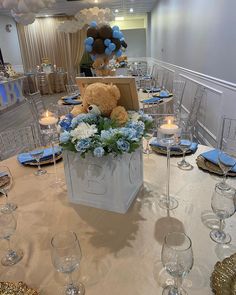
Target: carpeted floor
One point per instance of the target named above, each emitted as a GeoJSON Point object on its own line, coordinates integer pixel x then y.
{"type": "Point", "coordinates": [20, 115]}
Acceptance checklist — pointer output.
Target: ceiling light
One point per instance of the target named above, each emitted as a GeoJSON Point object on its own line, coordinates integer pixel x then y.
{"type": "Point", "coordinates": [119, 18]}
{"type": "Point", "coordinates": [46, 15]}
{"type": "Point", "coordinates": [95, 1]}
{"type": "Point", "coordinates": [117, 10]}
{"type": "Point", "coordinates": [131, 10]}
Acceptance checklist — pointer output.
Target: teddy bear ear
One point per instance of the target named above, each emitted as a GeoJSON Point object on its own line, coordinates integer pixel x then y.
{"type": "Point", "coordinates": [114, 90]}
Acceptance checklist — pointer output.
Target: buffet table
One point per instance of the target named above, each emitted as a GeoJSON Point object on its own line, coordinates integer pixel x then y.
{"type": "Point", "coordinates": [121, 253]}
{"type": "Point", "coordinates": [11, 92]}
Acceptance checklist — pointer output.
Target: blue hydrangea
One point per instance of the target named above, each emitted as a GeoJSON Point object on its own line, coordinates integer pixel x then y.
{"type": "Point", "coordinates": [146, 117]}
{"type": "Point", "coordinates": [83, 144]}
{"type": "Point", "coordinates": [123, 145]}
{"type": "Point", "coordinates": [107, 134]}
{"type": "Point", "coordinates": [64, 137]}
{"type": "Point", "coordinates": [65, 123]}
{"type": "Point", "coordinates": [129, 133]}
{"type": "Point", "coordinates": [138, 126]}
{"type": "Point", "coordinates": [98, 152]}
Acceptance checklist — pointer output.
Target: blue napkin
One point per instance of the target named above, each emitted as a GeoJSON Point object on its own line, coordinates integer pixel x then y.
{"type": "Point", "coordinates": [24, 158]}
{"type": "Point", "coordinates": [72, 101]}
{"type": "Point", "coordinates": [74, 96]}
{"type": "Point", "coordinates": [153, 90]}
{"type": "Point", "coordinates": [152, 100]}
{"type": "Point", "coordinates": [164, 93]}
{"type": "Point", "coordinates": [212, 156]}
{"type": "Point", "coordinates": [155, 143]}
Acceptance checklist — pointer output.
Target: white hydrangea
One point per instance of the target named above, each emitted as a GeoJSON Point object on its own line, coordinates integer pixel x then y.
{"type": "Point", "coordinates": [134, 116]}
{"type": "Point", "coordinates": [82, 131]}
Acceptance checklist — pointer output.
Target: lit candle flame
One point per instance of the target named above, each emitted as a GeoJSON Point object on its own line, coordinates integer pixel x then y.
{"type": "Point", "coordinates": [169, 121]}
{"type": "Point", "coordinates": [47, 113]}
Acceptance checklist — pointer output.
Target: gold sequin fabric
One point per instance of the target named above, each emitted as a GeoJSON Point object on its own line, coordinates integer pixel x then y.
{"type": "Point", "coordinates": [12, 288]}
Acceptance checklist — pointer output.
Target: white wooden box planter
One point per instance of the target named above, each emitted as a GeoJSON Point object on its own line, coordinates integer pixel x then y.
{"type": "Point", "coordinates": [109, 183]}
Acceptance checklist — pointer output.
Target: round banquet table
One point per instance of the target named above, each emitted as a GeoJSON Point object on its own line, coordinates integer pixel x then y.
{"type": "Point", "coordinates": [121, 253]}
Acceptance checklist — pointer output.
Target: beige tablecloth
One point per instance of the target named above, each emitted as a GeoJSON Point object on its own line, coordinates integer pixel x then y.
{"type": "Point", "coordinates": [121, 253]}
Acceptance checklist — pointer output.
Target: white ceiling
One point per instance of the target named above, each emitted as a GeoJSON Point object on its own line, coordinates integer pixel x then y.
{"type": "Point", "coordinates": [71, 7]}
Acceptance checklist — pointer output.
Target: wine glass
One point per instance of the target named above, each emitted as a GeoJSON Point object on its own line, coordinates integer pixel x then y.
{"type": "Point", "coordinates": [177, 258]}
{"type": "Point", "coordinates": [223, 205]}
{"type": "Point", "coordinates": [151, 85]}
{"type": "Point", "coordinates": [185, 143]}
{"type": "Point", "coordinates": [37, 155]}
{"type": "Point", "coordinates": [148, 136]}
{"type": "Point", "coordinates": [226, 161]}
{"type": "Point", "coordinates": [66, 256]}
{"type": "Point", "coordinates": [7, 228]}
{"type": "Point", "coordinates": [5, 185]}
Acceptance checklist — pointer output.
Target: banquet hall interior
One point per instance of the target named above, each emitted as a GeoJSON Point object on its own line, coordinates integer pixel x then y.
{"type": "Point", "coordinates": [117, 147]}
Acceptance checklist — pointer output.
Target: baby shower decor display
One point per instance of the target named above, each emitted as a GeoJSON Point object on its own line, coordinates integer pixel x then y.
{"type": "Point", "coordinates": [102, 150]}
{"type": "Point", "coordinates": [103, 43]}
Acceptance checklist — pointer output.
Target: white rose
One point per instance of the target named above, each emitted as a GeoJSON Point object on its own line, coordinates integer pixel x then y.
{"type": "Point", "coordinates": [82, 131]}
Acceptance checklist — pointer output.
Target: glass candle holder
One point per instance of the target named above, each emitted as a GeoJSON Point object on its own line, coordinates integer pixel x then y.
{"type": "Point", "coordinates": [168, 134]}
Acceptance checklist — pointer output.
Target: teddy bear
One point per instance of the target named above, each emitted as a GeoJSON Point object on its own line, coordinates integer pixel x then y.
{"type": "Point", "coordinates": [101, 67]}
{"type": "Point", "coordinates": [102, 99]}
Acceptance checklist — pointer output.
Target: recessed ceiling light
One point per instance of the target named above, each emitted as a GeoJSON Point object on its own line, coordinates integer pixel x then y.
{"type": "Point", "coordinates": [46, 15]}
{"type": "Point", "coordinates": [95, 1]}
{"type": "Point", "coordinates": [119, 18]}
{"type": "Point", "coordinates": [117, 10]}
{"type": "Point", "coordinates": [131, 10]}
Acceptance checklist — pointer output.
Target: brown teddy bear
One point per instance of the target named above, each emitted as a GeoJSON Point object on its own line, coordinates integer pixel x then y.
{"type": "Point", "coordinates": [101, 67]}
{"type": "Point", "coordinates": [102, 99]}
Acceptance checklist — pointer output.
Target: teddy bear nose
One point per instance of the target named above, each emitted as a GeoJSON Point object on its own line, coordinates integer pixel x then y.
{"type": "Point", "coordinates": [90, 108]}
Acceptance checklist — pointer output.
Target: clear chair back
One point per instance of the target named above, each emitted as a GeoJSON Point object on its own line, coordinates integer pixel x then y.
{"type": "Point", "coordinates": [18, 140]}
{"type": "Point", "coordinates": [178, 93]}
{"type": "Point", "coordinates": [72, 89]}
{"type": "Point", "coordinates": [36, 104]}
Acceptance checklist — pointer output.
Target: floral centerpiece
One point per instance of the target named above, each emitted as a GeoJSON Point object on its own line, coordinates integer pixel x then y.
{"type": "Point", "coordinates": [91, 133]}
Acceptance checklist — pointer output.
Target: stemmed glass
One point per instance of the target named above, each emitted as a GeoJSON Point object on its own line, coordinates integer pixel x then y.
{"type": "Point", "coordinates": [226, 160]}
{"type": "Point", "coordinates": [223, 205]}
{"type": "Point", "coordinates": [7, 228]}
{"type": "Point", "coordinates": [151, 85]}
{"type": "Point", "coordinates": [184, 144]}
{"type": "Point", "coordinates": [148, 136]}
{"type": "Point", "coordinates": [37, 155]}
{"type": "Point", "coordinates": [66, 256]}
{"type": "Point", "coordinates": [177, 258]}
{"type": "Point", "coordinates": [6, 185]}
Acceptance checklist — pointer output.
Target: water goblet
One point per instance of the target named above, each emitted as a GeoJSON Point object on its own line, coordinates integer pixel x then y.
{"type": "Point", "coordinates": [223, 205]}
{"type": "Point", "coordinates": [7, 228]}
{"type": "Point", "coordinates": [37, 155]}
{"type": "Point", "coordinates": [6, 185]}
{"type": "Point", "coordinates": [66, 256]}
{"type": "Point", "coordinates": [226, 161]}
{"type": "Point", "coordinates": [184, 144]}
{"type": "Point", "coordinates": [177, 258]}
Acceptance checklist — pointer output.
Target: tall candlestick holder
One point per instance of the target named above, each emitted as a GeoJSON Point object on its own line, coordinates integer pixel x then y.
{"type": "Point", "coordinates": [48, 121]}
{"type": "Point", "coordinates": [168, 134]}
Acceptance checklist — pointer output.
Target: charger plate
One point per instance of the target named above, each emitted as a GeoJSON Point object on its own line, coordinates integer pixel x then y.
{"type": "Point", "coordinates": [162, 151]}
{"type": "Point", "coordinates": [16, 288]}
{"type": "Point", "coordinates": [210, 167]}
{"type": "Point", "coordinates": [4, 180]}
{"type": "Point", "coordinates": [46, 162]}
{"type": "Point", "coordinates": [223, 278]}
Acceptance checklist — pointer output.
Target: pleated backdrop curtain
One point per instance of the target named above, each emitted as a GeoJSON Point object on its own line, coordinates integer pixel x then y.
{"type": "Point", "coordinates": [42, 39]}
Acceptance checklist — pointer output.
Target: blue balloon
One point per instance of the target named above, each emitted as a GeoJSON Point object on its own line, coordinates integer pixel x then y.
{"type": "Point", "coordinates": [112, 46]}
{"type": "Point", "coordinates": [115, 28]}
{"type": "Point", "coordinates": [108, 51]}
{"type": "Point", "coordinates": [89, 41]}
{"type": "Point", "coordinates": [116, 34]}
{"type": "Point", "coordinates": [107, 42]}
{"type": "Point", "coordinates": [119, 53]}
{"type": "Point", "coordinates": [93, 24]}
{"type": "Point", "coordinates": [89, 48]}
{"type": "Point", "coordinates": [120, 35]}
{"type": "Point", "coordinates": [122, 39]}
{"type": "Point", "coordinates": [93, 57]}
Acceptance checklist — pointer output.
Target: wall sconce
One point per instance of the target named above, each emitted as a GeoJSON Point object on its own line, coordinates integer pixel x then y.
{"type": "Point", "coordinates": [8, 28]}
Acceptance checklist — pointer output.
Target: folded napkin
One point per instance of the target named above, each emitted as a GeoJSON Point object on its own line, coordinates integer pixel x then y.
{"type": "Point", "coordinates": [25, 158]}
{"type": "Point", "coordinates": [212, 156]}
{"type": "Point", "coordinates": [164, 93]}
{"type": "Point", "coordinates": [153, 90]}
{"type": "Point", "coordinates": [72, 101]}
{"type": "Point", "coordinates": [155, 99]}
{"type": "Point", "coordinates": [74, 96]}
{"type": "Point", "coordinates": [155, 143]}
